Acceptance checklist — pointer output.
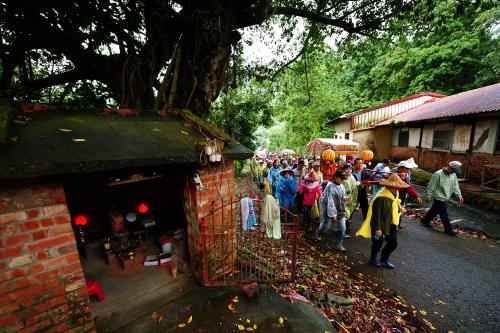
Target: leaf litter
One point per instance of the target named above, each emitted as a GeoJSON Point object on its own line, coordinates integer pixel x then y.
{"type": "Point", "coordinates": [323, 275]}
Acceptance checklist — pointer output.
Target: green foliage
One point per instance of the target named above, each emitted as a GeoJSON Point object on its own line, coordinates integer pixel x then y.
{"type": "Point", "coordinates": [447, 47]}
{"type": "Point", "coordinates": [238, 167]}
{"type": "Point", "coordinates": [309, 97]}
{"type": "Point", "coordinates": [240, 111]}
{"type": "Point", "coordinates": [454, 50]}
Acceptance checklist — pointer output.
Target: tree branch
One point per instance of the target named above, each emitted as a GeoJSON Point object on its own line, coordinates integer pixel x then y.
{"type": "Point", "coordinates": [289, 11]}
{"type": "Point", "coordinates": [291, 61]}
{"type": "Point", "coordinates": [52, 80]}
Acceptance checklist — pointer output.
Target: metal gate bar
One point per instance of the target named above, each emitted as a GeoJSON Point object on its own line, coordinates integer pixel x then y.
{"type": "Point", "coordinates": [232, 256]}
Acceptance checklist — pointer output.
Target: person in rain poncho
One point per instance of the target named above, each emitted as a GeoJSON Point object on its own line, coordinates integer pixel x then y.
{"type": "Point", "coordinates": [383, 219]}
{"type": "Point", "coordinates": [265, 185]}
{"type": "Point", "coordinates": [351, 190]}
{"type": "Point", "coordinates": [285, 189]}
{"type": "Point", "coordinates": [274, 175]}
{"type": "Point", "coordinates": [332, 211]}
{"type": "Point", "coordinates": [312, 192]}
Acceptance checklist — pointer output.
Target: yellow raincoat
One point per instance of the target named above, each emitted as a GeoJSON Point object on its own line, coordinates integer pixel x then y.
{"type": "Point", "coordinates": [365, 229]}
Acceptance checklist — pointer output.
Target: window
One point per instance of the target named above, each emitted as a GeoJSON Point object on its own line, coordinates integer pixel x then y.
{"type": "Point", "coordinates": [347, 136]}
{"type": "Point", "coordinates": [403, 138]}
{"type": "Point", "coordinates": [442, 139]}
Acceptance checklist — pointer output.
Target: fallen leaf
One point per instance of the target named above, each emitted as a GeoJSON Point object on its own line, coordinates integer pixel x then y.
{"type": "Point", "coordinates": [190, 319]}
{"type": "Point", "coordinates": [161, 318]}
{"type": "Point", "coordinates": [235, 300]}
{"type": "Point", "coordinates": [183, 132]}
{"type": "Point", "coordinates": [78, 140]}
{"type": "Point", "coordinates": [254, 326]}
{"type": "Point", "coordinates": [156, 129]}
{"type": "Point", "coordinates": [249, 329]}
{"type": "Point", "coordinates": [248, 321]}
{"type": "Point", "coordinates": [65, 130]}
{"type": "Point", "coordinates": [441, 302]}
{"type": "Point", "coordinates": [423, 312]}
{"type": "Point", "coordinates": [241, 327]}
{"type": "Point", "coordinates": [182, 325]}
{"type": "Point", "coordinates": [154, 315]}
{"type": "Point", "coordinates": [13, 138]}
{"type": "Point", "coordinates": [230, 306]}
{"type": "Point", "coordinates": [280, 320]}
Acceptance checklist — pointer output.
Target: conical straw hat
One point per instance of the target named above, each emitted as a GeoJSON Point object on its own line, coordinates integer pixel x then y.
{"type": "Point", "coordinates": [393, 181]}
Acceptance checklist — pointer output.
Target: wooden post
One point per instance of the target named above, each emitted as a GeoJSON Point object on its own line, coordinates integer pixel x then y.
{"type": "Point", "coordinates": [420, 143]}
{"type": "Point", "coordinates": [468, 152]}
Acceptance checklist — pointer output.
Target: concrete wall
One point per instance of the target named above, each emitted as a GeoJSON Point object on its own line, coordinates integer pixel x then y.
{"type": "Point", "coordinates": [414, 137]}
{"type": "Point", "coordinates": [485, 136]}
{"type": "Point", "coordinates": [461, 138]}
{"type": "Point", "coordinates": [428, 132]}
{"type": "Point", "coordinates": [342, 126]}
{"type": "Point", "coordinates": [486, 129]}
{"type": "Point", "coordinates": [377, 139]}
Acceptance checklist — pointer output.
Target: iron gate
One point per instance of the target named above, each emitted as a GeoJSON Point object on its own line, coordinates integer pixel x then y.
{"type": "Point", "coordinates": [230, 255]}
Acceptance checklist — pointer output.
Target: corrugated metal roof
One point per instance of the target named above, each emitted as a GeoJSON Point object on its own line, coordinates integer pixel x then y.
{"type": "Point", "coordinates": [396, 101]}
{"type": "Point", "coordinates": [479, 100]}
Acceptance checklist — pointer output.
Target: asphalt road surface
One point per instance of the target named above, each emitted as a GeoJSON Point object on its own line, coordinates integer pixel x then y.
{"type": "Point", "coordinates": [433, 268]}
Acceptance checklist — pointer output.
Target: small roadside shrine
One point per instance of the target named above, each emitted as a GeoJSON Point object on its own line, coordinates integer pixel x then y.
{"type": "Point", "coordinates": [342, 147]}
{"type": "Point", "coordinates": [96, 202]}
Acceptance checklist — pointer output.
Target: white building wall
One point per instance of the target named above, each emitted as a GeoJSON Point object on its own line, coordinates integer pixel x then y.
{"type": "Point", "coordinates": [427, 134]}
{"type": "Point", "coordinates": [461, 138]}
{"type": "Point", "coordinates": [414, 137]}
{"type": "Point", "coordinates": [484, 136]}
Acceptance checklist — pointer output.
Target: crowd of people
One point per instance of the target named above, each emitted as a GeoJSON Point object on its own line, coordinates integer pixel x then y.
{"type": "Point", "coordinates": [327, 205]}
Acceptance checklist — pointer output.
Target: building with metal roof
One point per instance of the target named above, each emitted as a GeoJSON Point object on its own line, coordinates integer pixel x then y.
{"type": "Point", "coordinates": [436, 129]}
{"type": "Point", "coordinates": [359, 126]}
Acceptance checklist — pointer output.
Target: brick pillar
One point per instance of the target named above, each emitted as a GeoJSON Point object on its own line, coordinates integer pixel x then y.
{"type": "Point", "coordinates": [219, 190]}
{"type": "Point", "coordinates": [42, 287]}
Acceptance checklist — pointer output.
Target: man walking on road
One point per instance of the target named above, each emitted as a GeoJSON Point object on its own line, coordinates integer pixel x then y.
{"type": "Point", "coordinates": [443, 184]}
{"type": "Point", "coordinates": [359, 173]}
{"type": "Point", "coordinates": [383, 219]}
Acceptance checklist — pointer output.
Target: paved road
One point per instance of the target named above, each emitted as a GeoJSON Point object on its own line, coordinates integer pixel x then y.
{"type": "Point", "coordinates": [431, 266]}
{"type": "Point", "coordinates": [467, 217]}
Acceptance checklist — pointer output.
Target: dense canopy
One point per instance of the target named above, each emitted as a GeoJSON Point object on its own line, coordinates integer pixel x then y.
{"type": "Point", "coordinates": [152, 53]}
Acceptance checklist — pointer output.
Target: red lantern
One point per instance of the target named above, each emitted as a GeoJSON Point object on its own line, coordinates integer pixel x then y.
{"type": "Point", "coordinates": [81, 220]}
{"type": "Point", "coordinates": [143, 208]}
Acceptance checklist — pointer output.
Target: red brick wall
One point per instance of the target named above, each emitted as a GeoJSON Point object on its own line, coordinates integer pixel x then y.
{"type": "Point", "coordinates": [219, 190]}
{"type": "Point", "coordinates": [478, 160]}
{"type": "Point", "coordinates": [42, 287]}
{"type": "Point", "coordinates": [433, 160]}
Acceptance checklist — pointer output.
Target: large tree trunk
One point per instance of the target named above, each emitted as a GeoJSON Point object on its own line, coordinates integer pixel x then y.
{"type": "Point", "coordinates": [204, 52]}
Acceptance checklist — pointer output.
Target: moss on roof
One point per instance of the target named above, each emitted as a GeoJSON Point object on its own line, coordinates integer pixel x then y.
{"type": "Point", "coordinates": [54, 142]}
